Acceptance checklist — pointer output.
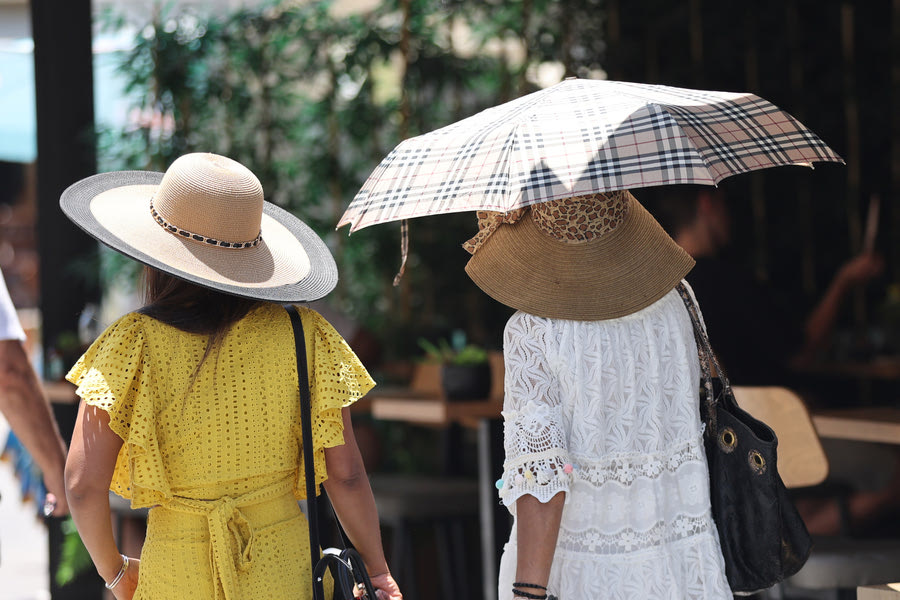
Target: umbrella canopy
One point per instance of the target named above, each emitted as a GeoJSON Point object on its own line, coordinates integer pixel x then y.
{"type": "Point", "coordinates": [580, 137]}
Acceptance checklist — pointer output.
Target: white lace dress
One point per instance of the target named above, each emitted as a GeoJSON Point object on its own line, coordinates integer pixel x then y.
{"type": "Point", "coordinates": [607, 412]}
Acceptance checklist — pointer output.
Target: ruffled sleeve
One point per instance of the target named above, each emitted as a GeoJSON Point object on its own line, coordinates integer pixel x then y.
{"type": "Point", "coordinates": [113, 376]}
{"type": "Point", "coordinates": [537, 458]}
{"type": "Point", "coordinates": [337, 379]}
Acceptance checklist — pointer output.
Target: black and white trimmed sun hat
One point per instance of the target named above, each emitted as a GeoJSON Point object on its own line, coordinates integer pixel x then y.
{"type": "Point", "coordinates": [205, 221]}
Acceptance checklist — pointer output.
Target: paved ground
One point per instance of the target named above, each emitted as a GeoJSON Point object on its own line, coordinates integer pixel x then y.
{"type": "Point", "coordinates": [23, 540]}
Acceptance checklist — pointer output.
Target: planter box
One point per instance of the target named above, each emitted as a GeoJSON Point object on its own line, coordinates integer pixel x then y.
{"type": "Point", "coordinates": [466, 382]}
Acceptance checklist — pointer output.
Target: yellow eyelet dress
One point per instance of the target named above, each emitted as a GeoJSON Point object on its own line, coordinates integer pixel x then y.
{"type": "Point", "coordinates": [220, 461]}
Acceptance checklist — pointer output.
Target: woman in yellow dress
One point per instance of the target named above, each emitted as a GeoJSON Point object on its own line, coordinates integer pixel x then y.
{"type": "Point", "coordinates": [190, 406]}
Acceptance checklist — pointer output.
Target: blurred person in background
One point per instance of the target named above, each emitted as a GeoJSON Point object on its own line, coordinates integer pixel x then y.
{"type": "Point", "coordinates": [761, 337]}
{"type": "Point", "coordinates": [760, 333]}
{"type": "Point", "coordinates": [26, 408]}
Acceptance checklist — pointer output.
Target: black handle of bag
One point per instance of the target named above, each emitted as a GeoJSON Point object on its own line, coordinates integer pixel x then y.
{"type": "Point", "coordinates": [708, 361]}
{"type": "Point", "coordinates": [349, 559]}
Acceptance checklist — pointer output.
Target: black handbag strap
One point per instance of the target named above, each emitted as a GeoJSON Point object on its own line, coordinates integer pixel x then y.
{"type": "Point", "coordinates": [708, 361]}
{"type": "Point", "coordinates": [312, 509]}
{"type": "Point", "coordinates": [348, 557]}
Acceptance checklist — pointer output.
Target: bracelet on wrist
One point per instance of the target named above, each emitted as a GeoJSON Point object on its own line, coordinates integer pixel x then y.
{"type": "Point", "coordinates": [523, 594]}
{"type": "Point", "coordinates": [520, 593]}
{"type": "Point", "coordinates": [529, 585]}
{"type": "Point", "coordinates": [119, 575]}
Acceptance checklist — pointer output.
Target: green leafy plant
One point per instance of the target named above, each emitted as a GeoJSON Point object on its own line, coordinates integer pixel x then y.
{"type": "Point", "coordinates": [74, 558]}
{"type": "Point", "coordinates": [311, 101]}
{"type": "Point", "coordinates": [454, 352]}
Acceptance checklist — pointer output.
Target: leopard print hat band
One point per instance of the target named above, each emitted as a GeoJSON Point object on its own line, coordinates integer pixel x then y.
{"type": "Point", "coordinates": [570, 220]}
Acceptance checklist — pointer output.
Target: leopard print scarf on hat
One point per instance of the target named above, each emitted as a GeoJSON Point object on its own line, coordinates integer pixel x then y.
{"type": "Point", "coordinates": [572, 220]}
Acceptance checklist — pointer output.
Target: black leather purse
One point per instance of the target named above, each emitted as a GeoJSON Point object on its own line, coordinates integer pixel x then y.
{"type": "Point", "coordinates": [762, 535]}
{"type": "Point", "coordinates": [346, 565]}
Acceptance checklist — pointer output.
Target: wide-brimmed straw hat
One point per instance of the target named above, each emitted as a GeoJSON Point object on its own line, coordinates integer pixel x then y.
{"type": "Point", "coordinates": [586, 258]}
{"type": "Point", "coordinates": [205, 220]}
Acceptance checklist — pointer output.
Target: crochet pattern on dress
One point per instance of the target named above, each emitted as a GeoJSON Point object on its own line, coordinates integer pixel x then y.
{"type": "Point", "coordinates": [607, 412]}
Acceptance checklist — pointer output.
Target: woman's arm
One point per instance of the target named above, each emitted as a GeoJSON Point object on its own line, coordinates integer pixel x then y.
{"type": "Point", "coordinates": [89, 470]}
{"type": "Point", "coordinates": [537, 527]}
{"type": "Point", "coordinates": [350, 494]}
{"type": "Point", "coordinates": [855, 273]}
{"type": "Point", "coordinates": [25, 406]}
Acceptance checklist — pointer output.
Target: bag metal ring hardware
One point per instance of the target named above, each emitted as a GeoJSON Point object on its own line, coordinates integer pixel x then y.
{"type": "Point", "coordinates": [757, 462]}
{"type": "Point", "coordinates": [727, 440]}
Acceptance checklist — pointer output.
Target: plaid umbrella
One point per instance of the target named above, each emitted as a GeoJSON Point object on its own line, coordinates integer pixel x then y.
{"type": "Point", "coordinates": [580, 137]}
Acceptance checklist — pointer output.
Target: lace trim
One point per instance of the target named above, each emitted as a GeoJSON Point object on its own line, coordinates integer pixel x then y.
{"type": "Point", "coordinates": [537, 460]}
{"type": "Point", "coordinates": [631, 540]}
{"type": "Point", "coordinates": [626, 468]}
{"type": "Point", "coordinates": [542, 475]}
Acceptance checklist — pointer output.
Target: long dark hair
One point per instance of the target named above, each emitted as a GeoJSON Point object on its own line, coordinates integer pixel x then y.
{"type": "Point", "coordinates": [192, 308]}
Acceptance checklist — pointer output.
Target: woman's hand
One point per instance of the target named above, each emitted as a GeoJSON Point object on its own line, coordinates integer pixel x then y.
{"type": "Point", "coordinates": [55, 506]}
{"type": "Point", "coordinates": [124, 590]}
{"type": "Point", "coordinates": [860, 269]}
{"type": "Point", "coordinates": [385, 587]}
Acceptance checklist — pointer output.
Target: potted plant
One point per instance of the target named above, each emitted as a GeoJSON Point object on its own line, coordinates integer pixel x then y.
{"type": "Point", "coordinates": [465, 370]}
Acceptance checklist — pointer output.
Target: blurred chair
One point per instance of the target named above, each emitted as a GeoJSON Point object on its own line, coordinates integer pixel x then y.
{"type": "Point", "coordinates": [837, 564]}
{"type": "Point", "coordinates": [801, 459]}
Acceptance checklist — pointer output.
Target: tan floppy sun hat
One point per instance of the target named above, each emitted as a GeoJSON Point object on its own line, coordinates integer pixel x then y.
{"type": "Point", "coordinates": [585, 258]}
{"type": "Point", "coordinates": [205, 220]}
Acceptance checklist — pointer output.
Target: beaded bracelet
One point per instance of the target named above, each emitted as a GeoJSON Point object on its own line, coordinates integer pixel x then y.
{"type": "Point", "coordinates": [531, 585]}
{"type": "Point", "coordinates": [120, 575]}
{"type": "Point", "coordinates": [521, 594]}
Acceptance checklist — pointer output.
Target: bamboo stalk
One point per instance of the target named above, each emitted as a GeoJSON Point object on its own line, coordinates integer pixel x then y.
{"type": "Point", "coordinates": [895, 137]}
{"type": "Point", "coordinates": [566, 35]}
{"type": "Point", "coordinates": [613, 37]}
{"type": "Point", "coordinates": [757, 188]}
{"type": "Point", "coordinates": [802, 190]}
{"type": "Point", "coordinates": [403, 131]}
{"type": "Point", "coordinates": [527, 7]}
{"type": "Point", "coordinates": [651, 54]}
{"type": "Point", "coordinates": [334, 176]}
{"type": "Point", "coordinates": [405, 36]}
{"type": "Point", "coordinates": [696, 38]}
{"type": "Point", "coordinates": [851, 117]}
{"type": "Point", "coordinates": [751, 58]}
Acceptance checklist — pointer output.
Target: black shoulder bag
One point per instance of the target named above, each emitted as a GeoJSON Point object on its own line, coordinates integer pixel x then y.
{"type": "Point", "coordinates": [762, 536]}
{"type": "Point", "coordinates": [347, 567]}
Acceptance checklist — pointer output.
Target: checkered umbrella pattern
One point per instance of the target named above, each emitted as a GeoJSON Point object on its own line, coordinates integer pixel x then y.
{"type": "Point", "coordinates": [580, 137]}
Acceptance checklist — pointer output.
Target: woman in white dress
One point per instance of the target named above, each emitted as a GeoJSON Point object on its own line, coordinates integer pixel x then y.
{"type": "Point", "coordinates": [605, 471]}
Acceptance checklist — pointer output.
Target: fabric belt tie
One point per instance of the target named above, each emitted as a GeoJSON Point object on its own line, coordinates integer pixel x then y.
{"type": "Point", "coordinates": [230, 533]}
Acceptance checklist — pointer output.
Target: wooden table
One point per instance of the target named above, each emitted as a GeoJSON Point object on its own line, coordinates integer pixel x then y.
{"type": "Point", "coordinates": [432, 410]}
{"type": "Point", "coordinates": [879, 367]}
{"type": "Point", "coordinates": [868, 424]}
{"type": "Point", "coordinates": [871, 424]}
